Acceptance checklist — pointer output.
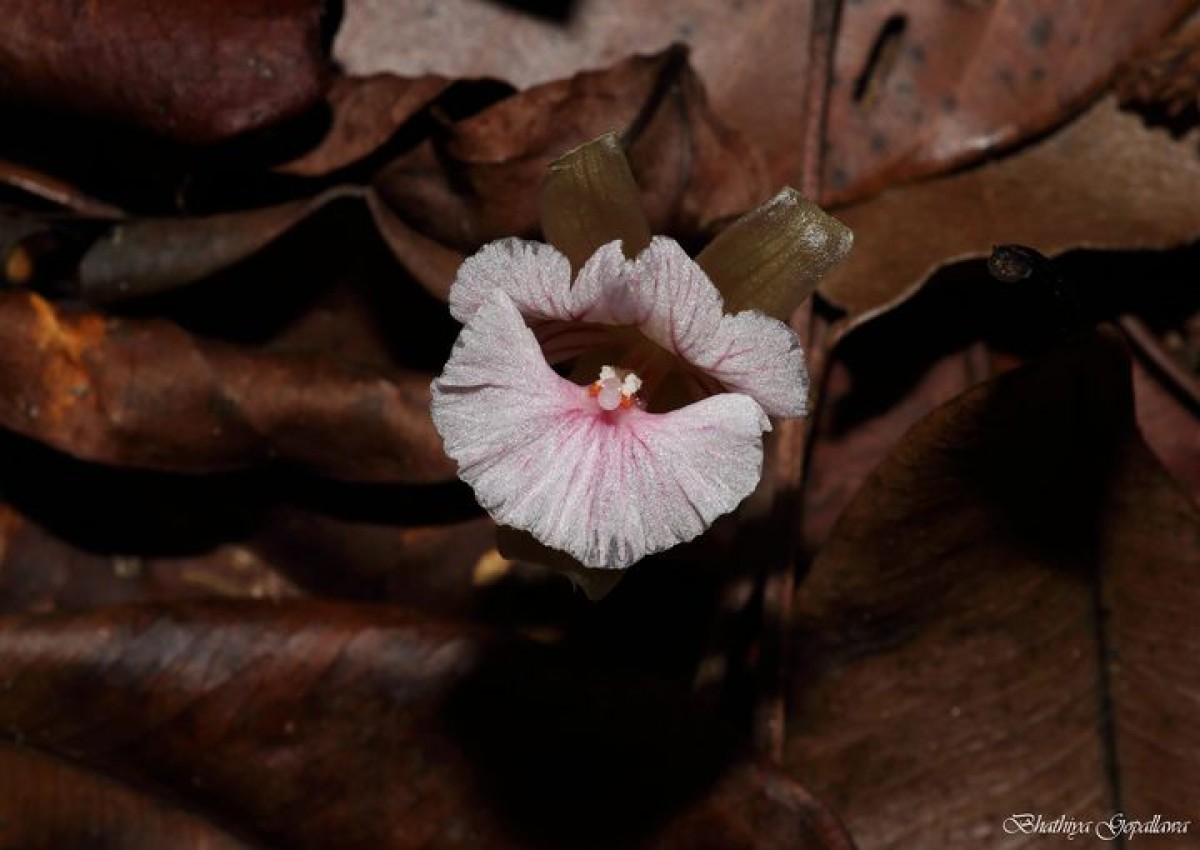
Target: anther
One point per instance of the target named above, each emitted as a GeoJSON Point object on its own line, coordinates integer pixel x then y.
{"type": "Point", "coordinates": [615, 388]}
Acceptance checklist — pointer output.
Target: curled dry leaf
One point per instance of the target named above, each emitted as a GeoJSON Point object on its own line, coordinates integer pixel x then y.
{"type": "Point", "coordinates": [462, 38]}
{"type": "Point", "coordinates": [147, 394]}
{"type": "Point", "coordinates": [98, 260]}
{"type": "Point", "coordinates": [67, 545]}
{"type": "Point", "coordinates": [150, 255]}
{"type": "Point", "coordinates": [434, 735]}
{"type": "Point", "coordinates": [1106, 181]}
{"type": "Point", "coordinates": [431, 263]}
{"type": "Point", "coordinates": [1003, 620]}
{"type": "Point", "coordinates": [922, 86]}
{"type": "Point", "coordinates": [365, 112]}
{"type": "Point", "coordinates": [442, 200]}
{"type": "Point", "coordinates": [482, 180]}
{"type": "Point", "coordinates": [197, 72]}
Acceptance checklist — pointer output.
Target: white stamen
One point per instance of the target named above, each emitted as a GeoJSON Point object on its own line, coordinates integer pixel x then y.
{"type": "Point", "coordinates": [615, 387]}
{"type": "Point", "coordinates": [609, 398]}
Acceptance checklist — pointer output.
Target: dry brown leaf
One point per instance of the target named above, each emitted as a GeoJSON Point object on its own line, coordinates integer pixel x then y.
{"type": "Point", "coordinates": [1168, 79]}
{"type": "Point", "coordinates": [49, 803]}
{"type": "Point", "coordinates": [197, 71]}
{"type": "Point", "coordinates": [1106, 181]}
{"type": "Point", "coordinates": [145, 256]}
{"type": "Point", "coordinates": [40, 572]}
{"type": "Point", "coordinates": [919, 86]}
{"type": "Point", "coordinates": [431, 568]}
{"type": "Point", "coordinates": [68, 544]}
{"type": "Point", "coordinates": [482, 180]}
{"type": "Point", "coordinates": [1003, 621]}
{"type": "Point", "coordinates": [922, 86]}
{"type": "Point", "coordinates": [365, 112]}
{"type": "Point", "coordinates": [861, 418]}
{"type": "Point", "coordinates": [750, 57]}
{"type": "Point", "coordinates": [144, 393]}
{"type": "Point", "coordinates": [431, 264]}
{"type": "Point", "coordinates": [434, 735]}
{"type": "Point", "coordinates": [55, 190]}
{"type": "Point", "coordinates": [1170, 429]}
{"type": "Point", "coordinates": [100, 260]}
{"type": "Point", "coordinates": [754, 808]}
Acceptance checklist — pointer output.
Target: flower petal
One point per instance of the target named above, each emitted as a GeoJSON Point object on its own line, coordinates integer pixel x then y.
{"type": "Point", "coordinates": [608, 488]}
{"type": "Point", "coordinates": [754, 354]}
{"type": "Point", "coordinates": [671, 300]}
{"type": "Point", "coordinates": [534, 275]}
{"type": "Point", "coordinates": [602, 292]}
{"type": "Point", "coordinates": [662, 291]}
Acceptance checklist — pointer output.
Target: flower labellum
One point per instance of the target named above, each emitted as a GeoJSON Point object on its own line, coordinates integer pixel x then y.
{"type": "Point", "coordinates": [666, 439]}
{"type": "Point", "coordinates": [600, 401]}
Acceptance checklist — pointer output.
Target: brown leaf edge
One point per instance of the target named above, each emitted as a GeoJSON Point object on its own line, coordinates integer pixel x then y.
{"type": "Point", "coordinates": [1104, 182]}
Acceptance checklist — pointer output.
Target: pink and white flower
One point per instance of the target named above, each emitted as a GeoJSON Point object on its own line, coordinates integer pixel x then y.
{"type": "Point", "coordinates": [621, 467]}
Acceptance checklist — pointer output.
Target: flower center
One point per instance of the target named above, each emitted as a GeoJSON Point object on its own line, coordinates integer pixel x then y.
{"type": "Point", "coordinates": [615, 388]}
